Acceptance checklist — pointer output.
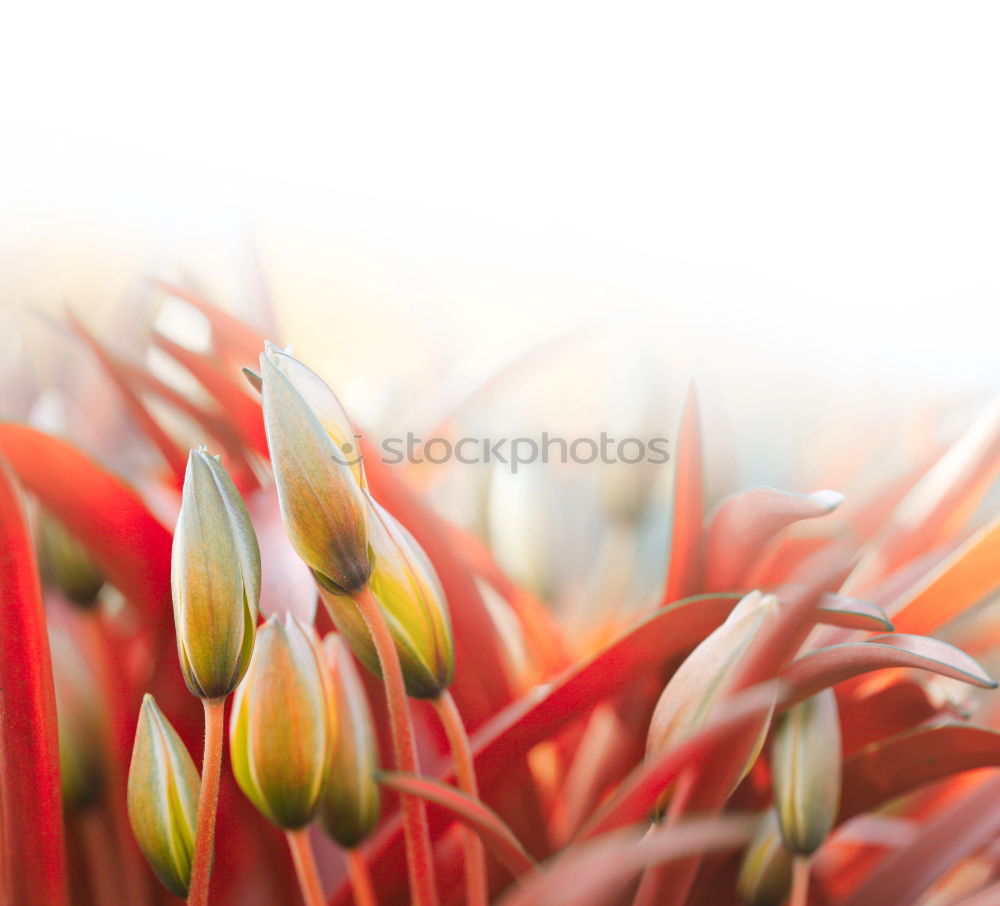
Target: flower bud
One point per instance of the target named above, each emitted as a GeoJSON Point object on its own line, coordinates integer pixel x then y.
{"type": "Point", "coordinates": [405, 584]}
{"type": "Point", "coordinates": [163, 787]}
{"type": "Point", "coordinates": [215, 580]}
{"type": "Point", "coordinates": [350, 806]}
{"type": "Point", "coordinates": [279, 729]}
{"type": "Point", "coordinates": [687, 702]}
{"type": "Point", "coordinates": [806, 766]}
{"type": "Point", "coordinates": [80, 719]}
{"type": "Point", "coordinates": [317, 471]}
{"type": "Point", "coordinates": [66, 564]}
{"type": "Point", "coordinates": [765, 876]}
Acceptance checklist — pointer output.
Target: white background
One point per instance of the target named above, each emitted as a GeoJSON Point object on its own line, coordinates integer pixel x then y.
{"type": "Point", "coordinates": [813, 185]}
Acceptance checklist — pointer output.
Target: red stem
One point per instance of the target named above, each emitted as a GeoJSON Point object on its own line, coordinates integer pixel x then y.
{"type": "Point", "coordinates": [476, 890]}
{"type": "Point", "coordinates": [361, 879]}
{"type": "Point", "coordinates": [800, 881]}
{"type": "Point", "coordinates": [415, 827]}
{"type": "Point", "coordinates": [305, 867]}
{"type": "Point", "coordinates": [32, 829]}
{"type": "Point", "coordinates": [208, 802]}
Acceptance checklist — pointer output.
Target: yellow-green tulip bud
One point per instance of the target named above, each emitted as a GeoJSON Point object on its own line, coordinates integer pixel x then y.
{"type": "Point", "coordinates": [806, 766]}
{"type": "Point", "coordinates": [687, 702]}
{"type": "Point", "coordinates": [317, 471]}
{"type": "Point", "coordinates": [765, 877]}
{"type": "Point", "coordinates": [80, 718]}
{"type": "Point", "coordinates": [350, 806]}
{"type": "Point", "coordinates": [163, 787]}
{"type": "Point", "coordinates": [215, 579]}
{"type": "Point", "coordinates": [405, 584]}
{"type": "Point", "coordinates": [279, 731]}
{"type": "Point", "coordinates": [66, 564]}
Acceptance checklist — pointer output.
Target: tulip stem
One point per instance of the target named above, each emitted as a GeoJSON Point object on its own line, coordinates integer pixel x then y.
{"type": "Point", "coordinates": [800, 881]}
{"type": "Point", "coordinates": [305, 867]}
{"type": "Point", "coordinates": [208, 802]}
{"type": "Point", "coordinates": [415, 827]}
{"type": "Point", "coordinates": [476, 891]}
{"type": "Point", "coordinates": [361, 878]}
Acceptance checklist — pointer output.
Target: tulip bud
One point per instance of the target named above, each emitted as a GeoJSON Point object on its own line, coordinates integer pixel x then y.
{"type": "Point", "coordinates": [806, 764]}
{"type": "Point", "coordinates": [279, 730]}
{"type": "Point", "coordinates": [687, 702]}
{"type": "Point", "coordinates": [66, 564]}
{"type": "Point", "coordinates": [405, 584]}
{"type": "Point", "coordinates": [163, 788]}
{"type": "Point", "coordinates": [215, 579]}
{"type": "Point", "coordinates": [80, 720]}
{"type": "Point", "coordinates": [317, 471]}
{"type": "Point", "coordinates": [765, 877]}
{"type": "Point", "coordinates": [349, 809]}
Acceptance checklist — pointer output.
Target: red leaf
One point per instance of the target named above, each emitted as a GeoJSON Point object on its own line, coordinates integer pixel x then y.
{"type": "Point", "coordinates": [897, 765]}
{"type": "Point", "coordinates": [834, 664]}
{"type": "Point", "coordinates": [505, 846]}
{"type": "Point", "coordinates": [939, 502]}
{"type": "Point", "coordinates": [108, 517]}
{"type": "Point", "coordinates": [742, 525]}
{"type": "Point", "coordinates": [592, 873]}
{"type": "Point", "coordinates": [174, 456]}
{"type": "Point", "coordinates": [238, 341]}
{"type": "Point", "coordinates": [226, 389]}
{"type": "Point", "coordinates": [636, 798]}
{"type": "Point", "coordinates": [965, 577]}
{"type": "Point", "coordinates": [944, 841]}
{"type": "Point", "coordinates": [34, 863]}
{"type": "Point", "coordinates": [683, 574]}
{"type": "Point", "coordinates": [852, 613]}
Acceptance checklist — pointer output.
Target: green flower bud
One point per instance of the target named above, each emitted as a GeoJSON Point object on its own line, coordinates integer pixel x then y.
{"type": "Point", "coordinates": [215, 580]}
{"type": "Point", "coordinates": [317, 471]}
{"type": "Point", "coordinates": [765, 877]}
{"type": "Point", "coordinates": [405, 584]}
{"type": "Point", "coordinates": [279, 731]}
{"type": "Point", "coordinates": [66, 564]}
{"type": "Point", "coordinates": [687, 702]}
{"type": "Point", "coordinates": [80, 718]}
{"type": "Point", "coordinates": [806, 766]}
{"type": "Point", "coordinates": [350, 806]}
{"type": "Point", "coordinates": [163, 787]}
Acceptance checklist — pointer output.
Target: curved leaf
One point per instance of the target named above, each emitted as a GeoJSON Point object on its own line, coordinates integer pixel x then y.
{"type": "Point", "coordinates": [637, 795]}
{"type": "Point", "coordinates": [836, 663]}
{"type": "Point", "coordinates": [593, 872]}
{"type": "Point", "coordinates": [965, 577]}
{"type": "Point", "coordinates": [743, 524]}
{"type": "Point", "coordinates": [501, 840]}
{"type": "Point", "coordinates": [107, 516]}
{"type": "Point", "coordinates": [944, 840]}
{"type": "Point", "coordinates": [34, 864]}
{"type": "Point", "coordinates": [852, 613]}
{"type": "Point", "coordinates": [897, 765]}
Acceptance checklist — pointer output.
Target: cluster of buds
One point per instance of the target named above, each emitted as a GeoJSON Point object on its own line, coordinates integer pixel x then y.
{"type": "Point", "coordinates": [301, 741]}
{"type": "Point", "coordinates": [348, 541]}
{"type": "Point", "coordinates": [300, 734]}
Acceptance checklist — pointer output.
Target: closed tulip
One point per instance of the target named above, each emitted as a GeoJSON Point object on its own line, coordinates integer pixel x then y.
{"type": "Point", "coordinates": [215, 580]}
{"type": "Point", "coordinates": [280, 733]}
{"type": "Point", "coordinates": [163, 787]}
{"type": "Point", "coordinates": [317, 471]}
{"type": "Point", "coordinates": [405, 584]}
